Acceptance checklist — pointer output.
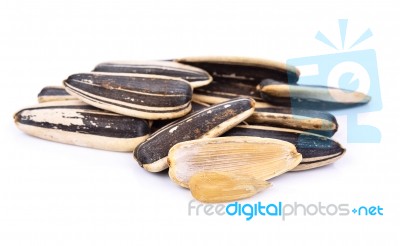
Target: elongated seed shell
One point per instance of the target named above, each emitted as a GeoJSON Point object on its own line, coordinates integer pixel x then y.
{"type": "Point", "coordinates": [74, 122]}
{"type": "Point", "coordinates": [54, 93]}
{"type": "Point", "coordinates": [218, 92]}
{"type": "Point", "coordinates": [217, 187]}
{"type": "Point", "coordinates": [208, 122]}
{"type": "Point", "coordinates": [261, 158]}
{"type": "Point", "coordinates": [195, 76]}
{"type": "Point", "coordinates": [158, 124]}
{"type": "Point", "coordinates": [316, 150]}
{"type": "Point", "coordinates": [314, 121]}
{"type": "Point", "coordinates": [243, 69]}
{"type": "Point", "coordinates": [138, 95]}
{"type": "Point", "coordinates": [306, 96]}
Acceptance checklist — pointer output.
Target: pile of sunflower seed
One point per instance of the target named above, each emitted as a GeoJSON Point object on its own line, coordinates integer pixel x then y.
{"type": "Point", "coordinates": [222, 125]}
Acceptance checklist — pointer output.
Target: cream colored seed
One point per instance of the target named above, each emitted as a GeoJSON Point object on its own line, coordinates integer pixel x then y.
{"type": "Point", "coordinates": [261, 158]}
{"type": "Point", "coordinates": [217, 187]}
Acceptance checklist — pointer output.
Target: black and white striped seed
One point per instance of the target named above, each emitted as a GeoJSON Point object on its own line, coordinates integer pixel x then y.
{"type": "Point", "coordinates": [217, 92]}
{"type": "Point", "coordinates": [76, 123]}
{"type": "Point", "coordinates": [195, 76]}
{"type": "Point", "coordinates": [243, 69]}
{"type": "Point", "coordinates": [318, 122]}
{"type": "Point", "coordinates": [307, 96]}
{"type": "Point", "coordinates": [208, 122]}
{"type": "Point", "coordinates": [54, 93]}
{"type": "Point", "coordinates": [158, 124]}
{"type": "Point", "coordinates": [138, 95]}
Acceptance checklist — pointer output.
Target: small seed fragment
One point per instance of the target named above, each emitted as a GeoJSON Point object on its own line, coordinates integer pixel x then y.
{"type": "Point", "coordinates": [195, 76]}
{"type": "Point", "coordinates": [307, 96]}
{"type": "Point", "coordinates": [316, 150]}
{"type": "Point", "coordinates": [144, 96]}
{"type": "Point", "coordinates": [54, 93]}
{"type": "Point", "coordinates": [313, 121]}
{"type": "Point", "coordinates": [208, 122]}
{"type": "Point", "coordinates": [261, 158]}
{"type": "Point", "coordinates": [243, 69]}
{"type": "Point", "coordinates": [217, 92]}
{"type": "Point", "coordinates": [76, 123]}
{"type": "Point", "coordinates": [218, 187]}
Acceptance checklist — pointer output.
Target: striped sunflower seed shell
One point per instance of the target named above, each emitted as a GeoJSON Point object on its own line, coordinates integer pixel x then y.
{"type": "Point", "coordinates": [144, 96]}
{"type": "Point", "coordinates": [316, 150]}
{"type": "Point", "coordinates": [318, 122]}
{"type": "Point", "coordinates": [261, 158]}
{"type": "Point", "coordinates": [208, 122]}
{"type": "Point", "coordinates": [243, 69]}
{"type": "Point", "coordinates": [195, 76]}
{"type": "Point", "coordinates": [307, 96]}
{"type": "Point", "coordinates": [218, 92]}
{"type": "Point", "coordinates": [158, 124]}
{"type": "Point", "coordinates": [54, 93]}
{"type": "Point", "coordinates": [76, 123]}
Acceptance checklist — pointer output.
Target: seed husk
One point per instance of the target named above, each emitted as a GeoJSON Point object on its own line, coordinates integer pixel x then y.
{"type": "Point", "coordinates": [318, 122]}
{"type": "Point", "coordinates": [217, 92]}
{"type": "Point", "coordinates": [76, 123]}
{"type": "Point", "coordinates": [158, 124]}
{"type": "Point", "coordinates": [307, 96]}
{"type": "Point", "coordinates": [144, 96]}
{"type": "Point", "coordinates": [243, 69]}
{"type": "Point", "coordinates": [206, 123]}
{"type": "Point", "coordinates": [54, 93]}
{"type": "Point", "coordinates": [195, 76]}
{"type": "Point", "coordinates": [218, 187]}
{"type": "Point", "coordinates": [316, 150]}
{"type": "Point", "coordinates": [261, 158]}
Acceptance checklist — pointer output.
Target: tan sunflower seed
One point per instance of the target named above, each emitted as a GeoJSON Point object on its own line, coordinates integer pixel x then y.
{"type": "Point", "coordinates": [307, 96]}
{"type": "Point", "coordinates": [205, 123]}
{"type": "Point", "coordinates": [195, 76]}
{"type": "Point", "coordinates": [76, 123]}
{"type": "Point", "coordinates": [218, 187]}
{"type": "Point", "coordinates": [144, 96]}
{"type": "Point", "coordinates": [242, 69]}
{"type": "Point", "coordinates": [316, 150]}
{"type": "Point", "coordinates": [260, 158]}
{"type": "Point", "coordinates": [54, 93]}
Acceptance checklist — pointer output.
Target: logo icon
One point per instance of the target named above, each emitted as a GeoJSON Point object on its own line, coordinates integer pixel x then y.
{"type": "Point", "coordinates": [346, 69]}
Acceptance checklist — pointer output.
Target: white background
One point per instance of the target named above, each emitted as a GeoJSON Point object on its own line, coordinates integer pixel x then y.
{"type": "Point", "coordinates": [54, 194]}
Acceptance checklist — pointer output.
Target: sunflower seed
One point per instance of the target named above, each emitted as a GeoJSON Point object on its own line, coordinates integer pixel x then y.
{"type": "Point", "coordinates": [74, 122]}
{"type": "Point", "coordinates": [314, 121]}
{"type": "Point", "coordinates": [209, 122]}
{"type": "Point", "coordinates": [260, 158]}
{"type": "Point", "coordinates": [242, 69]}
{"type": "Point", "coordinates": [158, 124]}
{"type": "Point", "coordinates": [54, 93]}
{"type": "Point", "coordinates": [306, 96]}
{"type": "Point", "coordinates": [196, 76]}
{"type": "Point", "coordinates": [218, 187]}
{"type": "Point", "coordinates": [138, 95]}
{"type": "Point", "coordinates": [316, 150]}
{"type": "Point", "coordinates": [218, 92]}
